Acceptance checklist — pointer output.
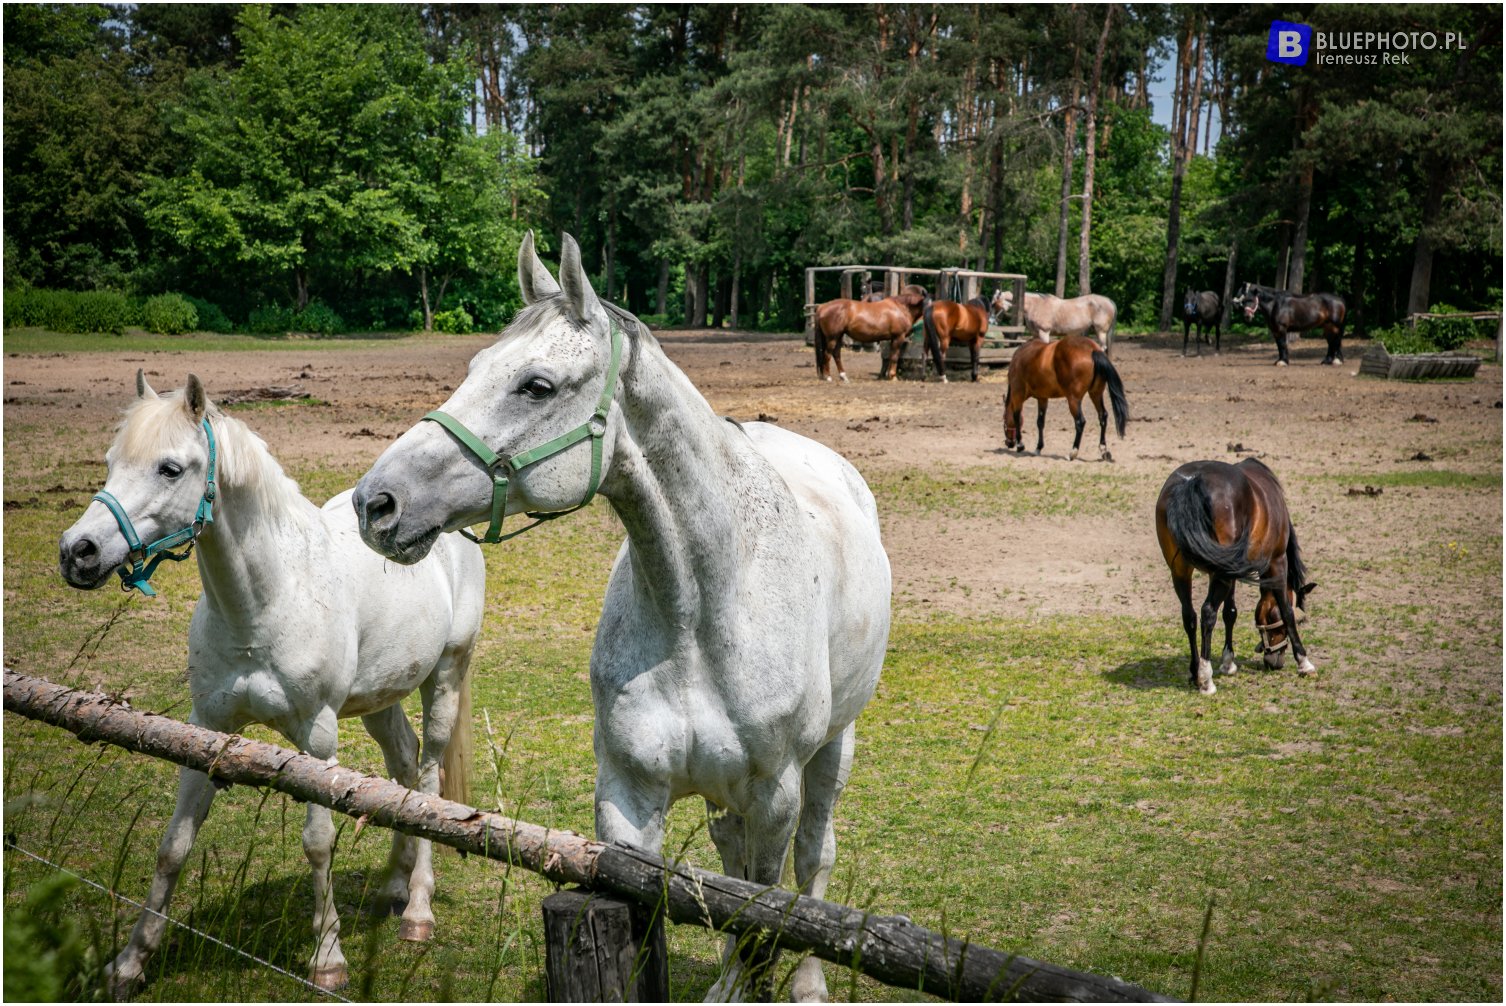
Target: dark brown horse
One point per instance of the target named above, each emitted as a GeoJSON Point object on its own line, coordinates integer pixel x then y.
{"type": "Point", "coordinates": [1068, 368]}
{"type": "Point", "coordinates": [965, 324]}
{"type": "Point", "coordinates": [1288, 312]}
{"type": "Point", "coordinates": [888, 320]}
{"type": "Point", "coordinates": [1231, 522]}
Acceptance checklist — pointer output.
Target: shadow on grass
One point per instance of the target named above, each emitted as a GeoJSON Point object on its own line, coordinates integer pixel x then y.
{"type": "Point", "coordinates": [1151, 672]}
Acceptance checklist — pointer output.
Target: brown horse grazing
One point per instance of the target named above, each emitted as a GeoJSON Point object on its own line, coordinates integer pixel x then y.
{"type": "Point", "coordinates": [888, 320]}
{"type": "Point", "coordinates": [965, 324]}
{"type": "Point", "coordinates": [1067, 368]}
{"type": "Point", "coordinates": [1231, 522]}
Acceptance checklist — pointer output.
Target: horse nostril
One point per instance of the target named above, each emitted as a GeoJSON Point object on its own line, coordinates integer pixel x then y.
{"type": "Point", "coordinates": [379, 511]}
{"type": "Point", "coordinates": [84, 548]}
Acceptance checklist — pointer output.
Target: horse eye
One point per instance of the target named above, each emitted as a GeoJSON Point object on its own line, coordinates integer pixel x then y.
{"type": "Point", "coordinates": [170, 469]}
{"type": "Point", "coordinates": [538, 388]}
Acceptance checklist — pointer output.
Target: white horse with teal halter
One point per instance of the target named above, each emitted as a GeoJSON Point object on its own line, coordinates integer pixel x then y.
{"type": "Point", "coordinates": [299, 625]}
{"type": "Point", "coordinates": [746, 619]}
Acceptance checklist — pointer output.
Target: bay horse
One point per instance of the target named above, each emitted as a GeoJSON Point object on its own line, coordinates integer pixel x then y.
{"type": "Point", "coordinates": [299, 626]}
{"type": "Point", "coordinates": [1203, 309]}
{"type": "Point", "coordinates": [888, 320]}
{"type": "Point", "coordinates": [1046, 315]}
{"type": "Point", "coordinates": [1232, 522]}
{"type": "Point", "coordinates": [697, 690]}
{"type": "Point", "coordinates": [947, 321]}
{"type": "Point", "coordinates": [1067, 368]}
{"type": "Point", "coordinates": [1288, 312]}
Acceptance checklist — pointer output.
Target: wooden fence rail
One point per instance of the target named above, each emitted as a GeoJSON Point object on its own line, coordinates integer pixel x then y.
{"type": "Point", "coordinates": [890, 948]}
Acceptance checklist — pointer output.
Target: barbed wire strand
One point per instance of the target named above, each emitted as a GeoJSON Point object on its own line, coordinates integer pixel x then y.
{"type": "Point", "coordinates": [182, 925]}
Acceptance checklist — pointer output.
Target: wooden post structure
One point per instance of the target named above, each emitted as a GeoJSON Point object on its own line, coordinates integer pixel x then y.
{"type": "Point", "coordinates": [890, 948]}
{"type": "Point", "coordinates": [592, 950]}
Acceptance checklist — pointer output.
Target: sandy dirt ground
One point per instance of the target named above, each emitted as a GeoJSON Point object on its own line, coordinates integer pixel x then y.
{"type": "Point", "coordinates": [1322, 429]}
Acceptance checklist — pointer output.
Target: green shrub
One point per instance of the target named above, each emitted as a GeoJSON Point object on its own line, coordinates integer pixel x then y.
{"type": "Point", "coordinates": [48, 957]}
{"type": "Point", "coordinates": [211, 318]}
{"type": "Point", "coordinates": [69, 310]}
{"type": "Point", "coordinates": [456, 322]}
{"type": "Point", "coordinates": [1402, 339]}
{"type": "Point", "coordinates": [320, 318]}
{"type": "Point", "coordinates": [169, 314]}
{"type": "Point", "coordinates": [270, 320]}
{"type": "Point", "coordinates": [1452, 333]}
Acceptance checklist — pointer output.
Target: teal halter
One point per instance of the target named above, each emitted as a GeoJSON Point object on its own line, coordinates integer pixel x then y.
{"type": "Point", "coordinates": [141, 569]}
{"type": "Point", "coordinates": [500, 467]}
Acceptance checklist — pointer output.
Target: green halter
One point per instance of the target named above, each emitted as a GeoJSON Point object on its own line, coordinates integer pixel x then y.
{"type": "Point", "coordinates": [500, 467]}
{"type": "Point", "coordinates": [141, 570]}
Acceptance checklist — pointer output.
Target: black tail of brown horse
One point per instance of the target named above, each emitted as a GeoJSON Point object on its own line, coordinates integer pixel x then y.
{"type": "Point", "coordinates": [1189, 518]}
{"type": "Point", "coordinates": [1104, 371]}
{"type": "Point", "coordinates": [933, 338]}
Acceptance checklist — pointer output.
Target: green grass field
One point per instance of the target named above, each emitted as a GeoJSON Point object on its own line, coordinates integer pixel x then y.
{"type": "Point", "coordinates": [1043, 785]}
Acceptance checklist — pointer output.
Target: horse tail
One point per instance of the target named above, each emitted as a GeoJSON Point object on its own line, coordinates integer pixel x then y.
{"type": "Point", "coordinates": [455, 770]}
{"type": "Point", "coordinates": [1104, 371]}
{"type": "Point", "coordinates": [821, 349]}
{"type": "Point", "coordinates": [1189, 518]}
{"type": "Point", "coordinates": [1296, 569]}
{"type": "Point", "coordinates": [933, 338]}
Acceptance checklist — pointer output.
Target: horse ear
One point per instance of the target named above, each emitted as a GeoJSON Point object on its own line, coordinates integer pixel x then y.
{"type": "Point", "coordinates": [143, 390]}
{"type": "Point", "coordinates": [194, 399]}
{"type": "Point", "coordinates": [580, 299]}
{"type": "Point", "coordinates": [533, 278]}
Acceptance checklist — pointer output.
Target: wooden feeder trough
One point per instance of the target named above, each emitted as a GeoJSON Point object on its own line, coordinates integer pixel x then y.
{"type": "Point", "coordinates": [1417, 366]}
{"type": "Point", "coordinates": [945, 284]}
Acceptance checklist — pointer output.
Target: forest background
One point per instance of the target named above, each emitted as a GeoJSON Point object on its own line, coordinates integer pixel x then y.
{"type": "Point", "coordinates": [334, 168]}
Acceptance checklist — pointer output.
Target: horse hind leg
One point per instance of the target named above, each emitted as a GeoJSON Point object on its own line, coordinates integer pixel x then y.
{"type": "Point", "coordinates": [1096, 394]}
{"type": "Point", "coordinates": [836, 355]}
{"type": "Point", "coordinates": [1074, 405]}
{"type": "Point", "coordinates": [1218, 589]}
{"type": "Point", "coordinates": [1231, 615]}
{"type": "Point", "coordinates": [1040, 425]}
{"type": "Point", "coordinates": [1181, 582]}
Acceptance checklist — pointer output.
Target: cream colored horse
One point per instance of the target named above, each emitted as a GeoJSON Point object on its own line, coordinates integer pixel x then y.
{"type": "Point", "coordinates": [299, 626]}
{"type": "Point", "coordinates": [747, 615]}
{"type": "Point", "coordinates": [1046, 315]}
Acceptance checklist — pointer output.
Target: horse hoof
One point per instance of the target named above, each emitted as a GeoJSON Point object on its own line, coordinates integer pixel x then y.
{"type": "Point", "coordinates": [1306, 667]}
{"type": "Point", "coordinates": [826, 379]}
{"type": "Point", "coordinates": [1280, 363]}
{"type": "Point", "coordinates": [1228, 666]}
{"type": "Point", "coordinates": [412, 931]}
{"type": "Point", "coordinates": [844, 377]}
{"type": "Point", "coordinates": [1106, 456]}
{"type": "Point", "coordinates": [123, 983]}
{"type": "Point", "coordinates": [1072, 456]}
{"type": "Point", "coordinates": [1205, 678]}
{"type": "Point", "coordinates": [330, 979]}
{"type": "Point", "coordinates": [944, 380]}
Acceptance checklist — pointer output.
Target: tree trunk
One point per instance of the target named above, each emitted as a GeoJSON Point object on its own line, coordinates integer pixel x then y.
{"type": "Point", "coordinates": [1179, 169]}
{"type": "Point", "coordinates": [423, 292]}
{"type": "Point", "coordinates": [1229, 273]}
{"type": "Point", "coordinates": [1423, 248]}
{"type": "Point", "coordinates": [1069, 142]}
{"type": "Point", "coordinates": [1084, 273]}
{"type": "Point", "coordinates": [662, 293]}
{"type": "Point", "coordinates": [737, 276]}
{"type": "Point", "coordinates": [1297, 272]}
{"type": "Point", "coordinates": [1357, 313]}
{"type": "Point", "coordinates": [301, 284]}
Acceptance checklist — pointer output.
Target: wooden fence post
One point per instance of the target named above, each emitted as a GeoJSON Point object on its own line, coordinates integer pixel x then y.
{"type": "Point", "coordinates": [592, 950]}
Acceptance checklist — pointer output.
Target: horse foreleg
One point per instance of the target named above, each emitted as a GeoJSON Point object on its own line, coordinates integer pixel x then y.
{"type": "Point", "coordinates": [1040, 425]}
{"type": "Point", "coordinates": [816, 844]}
{"type": "Point", "coordinates": [1218, 337]}
{"type": "Point", "coordinates": [327, 970]}
{"type": "Point", "coordinates": [1218, 589]}
{"type": "Point", "coordinates": [1074, 405]}
{"type": "Point", "coordinates": [768, 824]}
{"type": "Point", "coordinates": [1185, 327]}
{"type": "Point", "coordinates": [195, 794]}
{"type": "Point", "coordinates": [394, 735]}
{"type": "Point", "coordinates": [1335, 345]}
{"type": "Point", "coordinates": [836, 355]}
{"type": "Point", "coordinates": [1283, 353]}
{"type": "Point", "coordinates": [1288, 617]}
{"type": "Point", "coordinates": [976, 353]}
{"type": "Point", "coordinates": [896, 350]}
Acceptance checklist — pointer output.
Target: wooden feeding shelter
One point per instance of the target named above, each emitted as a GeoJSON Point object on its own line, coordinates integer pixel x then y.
{"type": "Point", "coordinates": [944, 284]}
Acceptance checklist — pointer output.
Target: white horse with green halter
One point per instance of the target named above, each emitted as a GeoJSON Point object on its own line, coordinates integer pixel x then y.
{"type": "Point", "coordinates": [747, 615]}
{"type": "Point", "coordinates": [299, 626]}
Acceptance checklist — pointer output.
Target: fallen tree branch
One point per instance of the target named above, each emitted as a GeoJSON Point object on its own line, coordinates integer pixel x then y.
{"type": "Point", "coordinates": [889, 948]}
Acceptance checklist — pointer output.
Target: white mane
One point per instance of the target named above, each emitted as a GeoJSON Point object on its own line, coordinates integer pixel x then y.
{"type": "Point", "coordinates": [155, 426]}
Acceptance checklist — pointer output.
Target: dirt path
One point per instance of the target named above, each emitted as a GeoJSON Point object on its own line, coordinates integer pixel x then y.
{"type": "Point", "coordinates": [959, 539]}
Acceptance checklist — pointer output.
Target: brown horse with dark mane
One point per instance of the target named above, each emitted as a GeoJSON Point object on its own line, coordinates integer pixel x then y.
{"type": "Point", "coordinates": [1231, 522]}
{"type": "Point", "coordinates": [1067, 368]}
{"type": "Point", "coordinates": [965, 324]}
{"type": "Point", "coordinates": [888, 320]}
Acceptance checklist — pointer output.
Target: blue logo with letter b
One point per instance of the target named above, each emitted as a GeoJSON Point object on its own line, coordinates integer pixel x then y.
{"type": "Point", "coordinates": [1289, 43]}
